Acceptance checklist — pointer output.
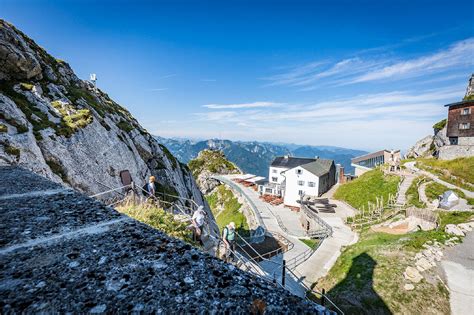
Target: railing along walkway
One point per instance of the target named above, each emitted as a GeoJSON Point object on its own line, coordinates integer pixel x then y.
{"type": "Point", "coordinates": [247, 264]}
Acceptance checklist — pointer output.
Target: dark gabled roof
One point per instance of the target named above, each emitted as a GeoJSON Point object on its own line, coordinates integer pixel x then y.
{"type": "Point", "coordinates": [460, 103]}
{"type": "Point", "coordinates": [319, 167]}
{"type": "Point", "coordinates": [290, 161]}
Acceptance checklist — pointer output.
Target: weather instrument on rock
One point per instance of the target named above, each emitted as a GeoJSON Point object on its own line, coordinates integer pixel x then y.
{"type": "Point", "coordinates": [93, 78]}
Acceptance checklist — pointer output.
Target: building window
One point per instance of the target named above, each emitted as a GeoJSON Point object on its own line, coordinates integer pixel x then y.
{"type": "Point", "coordinates": [300, 183]}
{"type": "Point", "coordinates": [274, 171]}
{"type": "Point", "coordinates": [311, 184]}
{"type": "Point", "coordinates": [299, 171]}
{"type": "Point", "coordinates": [274, 179]}
{"type": "Point", "coordinates": [465, 111]}
{"type": "Point", "coordinates": [269, 190]}
{"type": "Point", "coordinates": [464, 126]}
{"type": "Point", "coordinates": [300, 193]}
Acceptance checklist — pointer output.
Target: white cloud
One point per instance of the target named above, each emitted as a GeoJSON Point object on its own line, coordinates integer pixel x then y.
{"type": "Point", "coordinates": [398, 104]}
{"type": "Point", "coordinates": [242, 105]}
{"type": "Point", "coordinates": [458, 56]}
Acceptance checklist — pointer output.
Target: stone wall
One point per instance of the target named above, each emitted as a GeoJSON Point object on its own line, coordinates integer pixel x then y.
{"type": "Point", "coordinates": [61, 251]}
{"type": "Point", "coordinates": [450, 152]}
{"type": "Point", "coordinates": [466, 140]}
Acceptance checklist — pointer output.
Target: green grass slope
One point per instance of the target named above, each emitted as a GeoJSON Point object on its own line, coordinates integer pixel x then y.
{"type": "Point", "coordinates": [367, 278]}
{"type": "Point", "coordinates": [226, 209]}
{"type": "Point", "coordinates": [367, 188]}
{"type": "Point", "coordinates": [459, 172]}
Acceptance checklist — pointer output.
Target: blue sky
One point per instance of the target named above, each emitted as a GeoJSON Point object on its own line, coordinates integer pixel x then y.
{"type": "Point", "coordinates": [358, 74]}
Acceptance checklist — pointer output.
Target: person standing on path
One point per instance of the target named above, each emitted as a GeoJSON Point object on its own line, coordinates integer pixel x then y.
{"type": "Point", "coordinates": [228, 236]}
{"type": "Point", "coordinates": [197, 222]}
{"type": "Point", "coordinates": [150, 187]}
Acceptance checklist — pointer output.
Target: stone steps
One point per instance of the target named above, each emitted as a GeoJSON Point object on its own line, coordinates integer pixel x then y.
{"type": "Point", "coordinates": [404, 186]}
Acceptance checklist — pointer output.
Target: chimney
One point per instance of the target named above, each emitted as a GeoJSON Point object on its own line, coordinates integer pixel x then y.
{"type": "Point", "coordinates": [341, 178]}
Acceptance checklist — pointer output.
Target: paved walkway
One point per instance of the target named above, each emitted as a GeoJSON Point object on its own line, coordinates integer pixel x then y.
{"type": "Point", "coordinates": [458, 265]}
{"type": "Point", "coordinates": [411, 166]}
{"type": "Point", "coordinates": [324, 257]}
{"type": "Point", "coordinates": [406, 183]}
{"type": "Point", "coordinates": [462, 205]}
{"type": "Point", "coordinates": [422, 194]}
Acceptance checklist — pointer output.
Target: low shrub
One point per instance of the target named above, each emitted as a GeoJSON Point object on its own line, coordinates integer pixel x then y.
{"type": "Point", "coordinates": [158, 219]}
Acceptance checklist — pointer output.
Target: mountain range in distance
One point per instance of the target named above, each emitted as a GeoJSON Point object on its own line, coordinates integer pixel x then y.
{"type": "Point", "coordinates": [255, 157]}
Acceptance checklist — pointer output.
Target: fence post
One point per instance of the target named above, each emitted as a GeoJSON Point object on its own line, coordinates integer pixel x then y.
{"type": "Point", "coordinates": [323, 297]}
{"type": "Point", "coordinates": [283, 267]}
{"type": "Point", "coordinates": [133, 192]}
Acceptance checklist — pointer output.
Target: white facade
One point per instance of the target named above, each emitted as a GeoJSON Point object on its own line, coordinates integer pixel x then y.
{"type": "Point", "coordinates": [275, 175]}
{"type": "Point", "coordinates": [359, 169]}
{"type": "Point", "coordinates": [299, 182]}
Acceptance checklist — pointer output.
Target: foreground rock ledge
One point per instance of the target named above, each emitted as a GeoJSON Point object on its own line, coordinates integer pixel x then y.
{"type": "Point", "coordinates": [63, 252]}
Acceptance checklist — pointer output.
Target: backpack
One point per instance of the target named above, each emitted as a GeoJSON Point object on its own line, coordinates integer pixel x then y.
{"type": "Point", "coordinates": [227, 234]}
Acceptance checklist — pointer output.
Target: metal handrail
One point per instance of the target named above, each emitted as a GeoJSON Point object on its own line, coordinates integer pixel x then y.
{"type": "Point", "coordinates": [295, 261]}
{"type": "Point", "coordinates": [320, 221]}
{"type": "Point", "coordinates": [174, 196]}
{"type": "Point", "coordinates": [293, 274]}
{"type": "Point", "coordinates": [252, 204]}
{"type": "Point", "coordinates": [250, 263]}
{"type": "Point", "coordinates": [258, 254]}
{"type": "Point", "coordinates": [109, 191]}
{"type": "Point", "coordinates": [283, 239]}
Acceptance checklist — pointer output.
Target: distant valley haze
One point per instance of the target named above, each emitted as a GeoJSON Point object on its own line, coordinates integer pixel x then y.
{"type": "Point", "coordinates": [255, 157]}
{"type": "Point", "coordinates": [365, 75]}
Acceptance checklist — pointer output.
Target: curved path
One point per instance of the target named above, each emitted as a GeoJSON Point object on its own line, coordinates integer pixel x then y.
{"type": "Point", "coordinates": [319, 263]}
{"type": "Point", "coordinates": [412, 167]}
{"type": "Point", "coordinates": [422, 193]}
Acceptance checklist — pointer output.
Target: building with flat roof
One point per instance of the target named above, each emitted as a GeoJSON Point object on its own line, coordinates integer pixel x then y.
{"type": "Point", "coordinates": [370, 161]}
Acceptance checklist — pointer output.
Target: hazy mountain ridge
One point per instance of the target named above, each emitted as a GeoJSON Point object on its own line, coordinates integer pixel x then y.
{"type": "Point", "coordinates": [254, 157]}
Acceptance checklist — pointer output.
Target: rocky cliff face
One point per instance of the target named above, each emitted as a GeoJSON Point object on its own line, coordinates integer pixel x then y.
{"type": "Point", "coordinates": [470, 89]}
{"type": "Point", "coordinates": [65, 129]}
{"type": "Point", "coordinates": [211, 162]}
{"type": "Point", "coordinates": [430, 145]}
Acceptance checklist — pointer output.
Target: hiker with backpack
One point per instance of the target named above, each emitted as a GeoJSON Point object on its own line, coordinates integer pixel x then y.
{"type": "Point", "coordinates": [228, 237]}
{"type": "Point", "coordinates": [197, 223]}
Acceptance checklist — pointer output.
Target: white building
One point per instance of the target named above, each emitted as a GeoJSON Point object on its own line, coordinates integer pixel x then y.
{"type": "Point", "coordinates": [292, 177]}
{"type": "Point", "coordinates": [370, 161]}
